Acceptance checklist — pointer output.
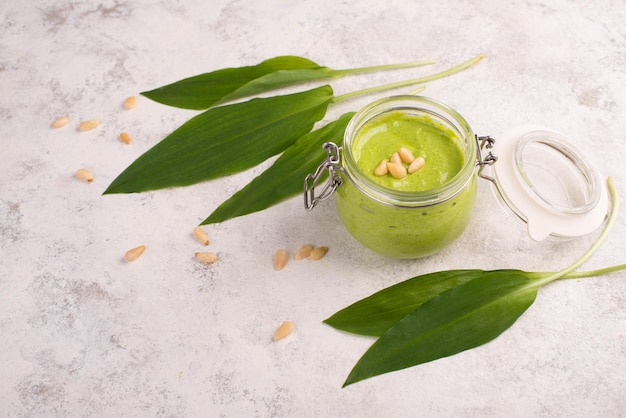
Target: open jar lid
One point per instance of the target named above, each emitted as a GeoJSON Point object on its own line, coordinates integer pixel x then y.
{"type": "Point", "coordinates": [548, 183]}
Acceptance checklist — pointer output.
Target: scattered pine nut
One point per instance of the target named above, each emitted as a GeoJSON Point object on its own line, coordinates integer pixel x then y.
{"type": "Point", "coordinates": [201, 235]}
{"type": "Point", "coordinates": [381, 170]}
{"type": "Point", "coordinates": [303, 252]}
{"type": "Point", "coordinates": [280, 259]}
{"type": "Point", "coordinates": [318, 253]}
{"type": "Point", "coordinates": [130, 102]}
{"type": "Point", "coordinates": [417, 165]}
{"type": "Point", "coordinates": [84, 174]}
{"type": "Point", "coordinates": [125, 138]}
{"type": "Point", "coordinates": [397, 170]}
{"type": "Point", "coordinates": [406, 155]}
{"type": "Point", "coordinates": [88, 125]}
{"type": "Point", "coordinates": [206, 257]}
{"type": "Point", "coordinates": [395, 158]}
{"type": "Point", "coordinates": [283, 330]}
{"type": "Point", "coordinates": [60, 122]}
{"type": "Point", "coordinates": [134, 253]}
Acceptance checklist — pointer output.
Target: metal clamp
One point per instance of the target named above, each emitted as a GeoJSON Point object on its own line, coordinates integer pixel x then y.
{"type": "Point", "coordinates": [312, 180]}
{"type": "Point", "coordinates": [483, 142]}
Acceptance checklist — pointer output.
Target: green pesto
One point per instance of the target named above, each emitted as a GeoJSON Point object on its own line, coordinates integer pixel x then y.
{"type": "Point", "coordinates": [380, 137]}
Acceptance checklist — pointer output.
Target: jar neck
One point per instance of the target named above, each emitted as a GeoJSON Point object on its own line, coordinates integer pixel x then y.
{"type": "Point", "coordinates": [418, 106]}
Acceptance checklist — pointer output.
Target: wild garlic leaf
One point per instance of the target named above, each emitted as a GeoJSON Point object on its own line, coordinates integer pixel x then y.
{"type": "Point", "coordinates": [460, 318]}
{"type": "Point", "coordinates": [288, 77]}
{"type": "Point", "coordinates": [375, 314]}
{"type": "Point", "coordinates": [284, 178]}
{"type": "Point", "coordinates": [205, 90]}
{"type": "Point", "coordinates": [225, 140]}
{"type": "Point", "coordinates": [217, 87]}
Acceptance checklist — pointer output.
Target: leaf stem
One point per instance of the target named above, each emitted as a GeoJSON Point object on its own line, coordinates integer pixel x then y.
{"type": "Point", "coordinates": [348, 71]}
{"type": "Point", "coordinates": [592, 273]}
{"type": "Point", "coordinates": [567, 272]}
{"type": "Point", "coordinates": [414, 81]}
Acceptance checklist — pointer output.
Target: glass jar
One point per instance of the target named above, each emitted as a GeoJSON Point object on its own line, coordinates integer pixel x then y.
{"type": "Point", "coordinates": [407, 224]}
{"type": "Point", "coordinates": [414, 221]}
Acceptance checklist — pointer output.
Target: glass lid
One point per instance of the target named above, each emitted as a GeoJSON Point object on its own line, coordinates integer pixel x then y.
{"type": "Point", "coordinates": [548, 183]}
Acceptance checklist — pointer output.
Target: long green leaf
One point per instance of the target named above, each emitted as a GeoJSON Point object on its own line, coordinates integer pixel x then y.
{"type": "Point", "coordinates": [204, 90]}
{"type": "Point", "coordinates": [292, 76]}
{"type": "Point", "coordinates": [375, 314]}
{"type": "Point", "coordinates": [284, 178]}
{"type": "Point", "coordinates": [221, 86]}
{"type": "Point", "coordinates": [458, 319]}
{"type": "Point", "coordinates": [225, 140]}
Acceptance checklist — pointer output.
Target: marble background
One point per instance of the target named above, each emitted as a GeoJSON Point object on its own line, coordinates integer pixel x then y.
{"type": "Point", "coordinates": [83, 333]}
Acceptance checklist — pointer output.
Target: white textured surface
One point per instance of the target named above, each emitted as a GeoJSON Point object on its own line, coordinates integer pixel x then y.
{"type": "Point", "coordinates": [85, 334]}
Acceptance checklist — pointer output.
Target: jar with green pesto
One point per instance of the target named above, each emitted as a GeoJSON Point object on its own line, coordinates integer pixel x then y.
{"type": "Point", "coordinates": [404, 179]}
{"type": "Point", "coordinates": [416, 212]}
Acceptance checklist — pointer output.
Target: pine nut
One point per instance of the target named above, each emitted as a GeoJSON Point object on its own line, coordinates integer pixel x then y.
{"type": "Point", "coordinates": [397, 170]}
{"type": "Point", "coordinates": [280, 259]}
{"type": "Point", "coordinates": [60, 122]}
{"type": "Point", "coordinates": [201, 235]}
{"type": "Point", "coordinates": [417, 165]}
{"type": "Point", "coordinates": [125, 138]}
{"type": "Point", "coordinates": [130, 102]}
{"type": "Point", "coordinates": [88, 125]}
{"type": "Point", "coordinates": [381, 170]}
{"type": "Point", "coordinates": [395, 158]}
{"type": "Point", "coordinates": [206, 257]}
{"type": "Point", "coordinates": [84, 174]}
{"type": "Point", "coordinates": [303, 252]}
{"type": "Point", "coordinates": [283, 330]}
{"type": "Point", "coordinates": [134, 253]}
{"type": "Point", "coordinates": [318, 253]}
{"type": "Point", "coordinates": [406, 155]}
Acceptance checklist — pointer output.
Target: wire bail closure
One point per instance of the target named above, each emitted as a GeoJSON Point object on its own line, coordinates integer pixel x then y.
{"type": "Point", "coordinates": [485, 142]}
{"type": "Point", "coordinates": [312, 180]}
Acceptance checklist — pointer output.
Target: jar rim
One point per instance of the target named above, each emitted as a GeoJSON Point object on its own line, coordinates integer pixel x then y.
{"type": "Point", "coordinates": [590, 182]}
{"type": "Point", "coordinates": [441, 113]}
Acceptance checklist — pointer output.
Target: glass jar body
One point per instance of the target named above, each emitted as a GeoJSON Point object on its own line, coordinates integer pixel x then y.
{"type": "Point", "coordinates": [402, 232]}
{"type": "Point", "coordinates": [406, 224]}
